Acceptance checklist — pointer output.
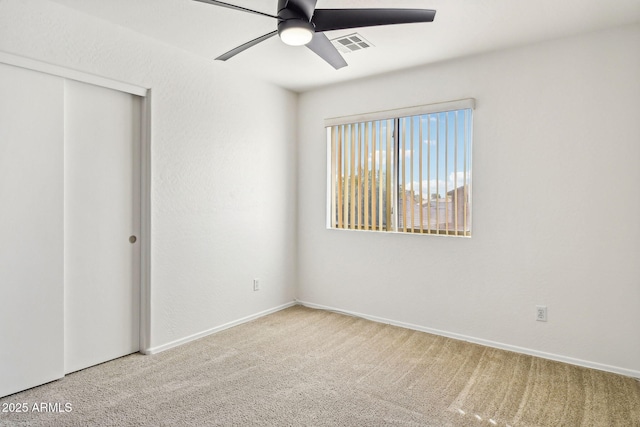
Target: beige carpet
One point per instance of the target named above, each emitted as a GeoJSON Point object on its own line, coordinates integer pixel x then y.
{"type": "Point", "coordinates": [304, 367]}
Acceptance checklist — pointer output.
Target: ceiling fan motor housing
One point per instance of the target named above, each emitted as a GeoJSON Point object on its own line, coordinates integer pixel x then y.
{"type": "Point", "coordinates": [302, 10]}
{"type": "Point", "coordinates": [294, 23]}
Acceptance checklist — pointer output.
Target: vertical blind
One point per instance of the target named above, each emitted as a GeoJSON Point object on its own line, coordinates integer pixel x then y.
{"type": "Point", "coordinates": [361, 175]}
{"type": "Point", "coordinates": [408, 174]}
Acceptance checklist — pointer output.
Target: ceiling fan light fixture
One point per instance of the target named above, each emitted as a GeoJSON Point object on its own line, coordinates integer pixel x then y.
{"type": "Point", "coordinates": [296, 32]}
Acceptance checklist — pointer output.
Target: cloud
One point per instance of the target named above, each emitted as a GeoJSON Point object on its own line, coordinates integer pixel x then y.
{"type": "Point", "coordinates": [440, 186]}
{"type": "Point", "coordinates": [377, 154]}
{"type": "Point", "coordinates": [430, 117]}
{"type": "Point", "coordinates": [460, 179]}
{"type": "Point", "coordinates": [431, 142]}
{"type": "Point", "coordinates": [428, 187]}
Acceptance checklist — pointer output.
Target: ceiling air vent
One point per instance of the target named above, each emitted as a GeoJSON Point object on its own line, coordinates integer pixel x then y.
{"type": "Point", "coordinates": [351, 43]}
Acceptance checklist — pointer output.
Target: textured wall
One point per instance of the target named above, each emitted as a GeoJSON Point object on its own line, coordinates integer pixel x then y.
{"type": "Point", "coordinates": [556, 204]}
{"type": "Point", "coordinates": [223, 166]}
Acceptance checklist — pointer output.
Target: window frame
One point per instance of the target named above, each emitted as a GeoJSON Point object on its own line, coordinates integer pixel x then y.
{"type": "Point", "coordinates": [397, 115]}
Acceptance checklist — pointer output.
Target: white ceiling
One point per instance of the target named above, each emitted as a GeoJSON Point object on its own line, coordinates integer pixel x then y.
{"type": "Point", "coordinates": [461, 28]}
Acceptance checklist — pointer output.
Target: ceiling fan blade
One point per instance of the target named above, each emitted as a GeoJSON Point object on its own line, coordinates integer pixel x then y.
{"type": "Point", "coordinates": [233, 6]}
{"type": "Point", "coordinates": [306, 7]}
{"type": "Point", "coordinates": [338, 19]}
{"type": "Point", "coordinates": [247, 45]}
{"type": "Point", "coordinates": [322, 47]}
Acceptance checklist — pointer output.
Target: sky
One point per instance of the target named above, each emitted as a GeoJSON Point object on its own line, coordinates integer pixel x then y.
{"type": "Point", "coordinates": [443, 138]}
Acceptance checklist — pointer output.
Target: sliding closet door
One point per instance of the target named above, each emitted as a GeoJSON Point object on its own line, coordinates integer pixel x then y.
{"type": "Point", "coordinates": [102, 224]}
{"type": "Point", "coordinates": [31, 229]}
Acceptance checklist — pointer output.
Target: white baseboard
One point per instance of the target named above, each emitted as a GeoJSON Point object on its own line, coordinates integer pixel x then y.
{"type": "Point", "coordinates": [502, 346]}
{"type": "Point", "coordinates": [176, 343]}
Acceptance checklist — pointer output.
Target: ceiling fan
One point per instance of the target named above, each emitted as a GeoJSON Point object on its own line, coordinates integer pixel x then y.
{"type": "Point", "coordinates": [300, 23]}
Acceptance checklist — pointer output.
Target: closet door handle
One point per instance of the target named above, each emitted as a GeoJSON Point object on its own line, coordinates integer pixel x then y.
{"type": "Point", "coordinates": [132, 239]}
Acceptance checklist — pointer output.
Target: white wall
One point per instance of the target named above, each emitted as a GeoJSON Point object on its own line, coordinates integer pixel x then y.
{"type": "Point", "coordinates": [223, 166]}
{"type": "Point", "coordinates": [556, 205]}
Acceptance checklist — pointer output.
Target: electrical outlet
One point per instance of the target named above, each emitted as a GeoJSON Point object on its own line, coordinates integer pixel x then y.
{"type": "Point", "coordinates": [256, 284]}
{"type": "Point", "coordinates": [541, 313]}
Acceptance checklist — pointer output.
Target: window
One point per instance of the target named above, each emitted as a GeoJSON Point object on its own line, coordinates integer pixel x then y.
{"type": "Point", "coordinates": [403, 171]}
